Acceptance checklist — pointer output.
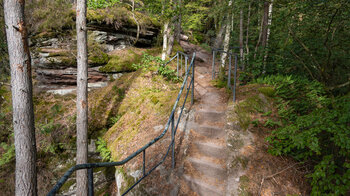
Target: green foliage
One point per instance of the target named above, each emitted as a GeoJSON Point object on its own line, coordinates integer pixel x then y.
{"type": "Point", "coordinates": [9, 153]}
{"type": "Point", "coordinates": [315, 129]}
{"type": "Point", "coordinates": [95, 4]}
{"type": "Point", "coordinates": [103, 150]}
{"type": "Point", "coordinates": [296, 95]}
{"type": "Point", "coordinates": [151, 62]}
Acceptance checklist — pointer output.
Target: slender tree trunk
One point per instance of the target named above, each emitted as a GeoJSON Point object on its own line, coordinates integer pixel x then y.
{"type": "Point", "coordinates": [136, 21]}
{"type": "Point", "coordinates": [265, 24]}
{"type": "Point", "coordinates": [171, 42]}
{"type": "Point", "coordinates": [82, 101]}
{"type": "Point", "coordinates": [179, 22]}
{"type": "Point", "coordinates": [165, 39]}
{"type": "Point", "coordinates": [220, 35]}
{"type": "Point", "coordinates": [22, 103]}
{"type": "Point", "coordinates": [247, 33]}
{"type": "Point", "coordinates": [241, 50]}
{"type": "Point", "coordinates": [268, 33]}
{"type": "Point", "coordinates": [226, 42]}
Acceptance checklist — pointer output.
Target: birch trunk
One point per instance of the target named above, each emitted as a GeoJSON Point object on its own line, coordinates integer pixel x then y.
{"type": "Point", "coordinates": [241, 50]}
{"type": "Point", "coordinates": [226, 42]}
{"type": "Point", "coordinates": [22, 103]}
{"type": "Point", "coordinates": [268, 33]}
{"type": "Point", "coordinates": [220, 36]}
{"type": "Point", "coordinates": [82, 101]}
{"type": "Point", "coordinates": [165, 39]}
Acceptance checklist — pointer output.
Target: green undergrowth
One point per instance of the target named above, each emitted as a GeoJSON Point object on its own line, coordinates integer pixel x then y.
{"type": "Point", "coordinates": [314, 129]}
{"type": "Point", "coordinates": [147, 103]}
{"type": "Point", "coordinates": [256, 104]}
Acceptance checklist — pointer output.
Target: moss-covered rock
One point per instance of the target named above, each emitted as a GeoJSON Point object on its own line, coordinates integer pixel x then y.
{"type": "Point", "coordinates": [123, 60]}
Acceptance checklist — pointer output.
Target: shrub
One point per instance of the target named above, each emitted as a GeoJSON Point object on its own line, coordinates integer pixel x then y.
{"type": "Point", "coordinates": [315, 130]}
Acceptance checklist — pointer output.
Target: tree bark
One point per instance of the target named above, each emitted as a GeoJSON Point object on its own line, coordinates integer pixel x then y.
{"type": "Point", "coordinates": [241, 50]}
{"type": "Point", "coordinates": [265, 24]}
{"type": "Point", "coordinates": [179, 22]}
{"type": "Point", "coordinates": [22, 103]}
{"type": "Point", "coordinates": [170, 42]}
{"type": "Point", "coordinates": [220, 35]}
{"type": "Point", "coordinates": [165, 39]}
{"type": "Point", "coordinates": [82, 101]}
{"type": "Point", "coordinates": [247, 33]}
{"type": "Point", "coordinates": [226, 41]}
{"type": "Point", "coordinates": [263, 29]}
{"type": "Point", "coordinates": [268, 33]}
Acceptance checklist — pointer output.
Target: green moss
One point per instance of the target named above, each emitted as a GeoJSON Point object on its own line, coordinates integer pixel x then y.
{"type": "Point", "coordinates": [67, 185]}
{"type": "Point", "coordinates": [246, 107]}
{"type": "Point", "coordinates": [267, 91]}
{"type": "Point", "coordinates": [122, 63]}
{"type": "Point", "coordinates": [121, 16]}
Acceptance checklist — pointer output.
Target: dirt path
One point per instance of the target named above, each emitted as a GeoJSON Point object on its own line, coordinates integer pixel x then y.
{"type": "Point", "coordinates": [204, 166]}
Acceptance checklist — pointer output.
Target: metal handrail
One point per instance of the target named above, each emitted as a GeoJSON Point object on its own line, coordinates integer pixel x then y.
{"type": "Point", "coordinates": [170, 122]}
{"type": "Point", "coordinates": [220, 50]}
{"type": "Point", "coordinates": [179, 61]}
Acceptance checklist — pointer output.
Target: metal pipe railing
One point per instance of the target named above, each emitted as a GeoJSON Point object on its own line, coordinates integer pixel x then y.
{"type": "Point", "coordinates": [230, 54]}
{"type": "Point", "coordinates": [170, 122]}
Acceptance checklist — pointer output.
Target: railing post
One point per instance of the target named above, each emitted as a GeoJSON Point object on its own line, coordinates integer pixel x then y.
{"type": "Point", "coordinates": [181, 65]}
{"type": "Point", "coordinates": [192, 92]}
{"type": "Point", "coordinates": [177, 67]}
{"type": "Point", "coordinates": [213, 67]}
{"type": "Point", "coordinates": [91, 181]}
{"type": "Point", "coordinates": [144, 163]}
{"type": "Point", "coordinates": [173, 141]}
{"type": "Point", "coordinates": [186, 59]}
{"type": "Point", "coordinates": [235, 78]}
{"type": "Point", "coordinates": [229, 71]}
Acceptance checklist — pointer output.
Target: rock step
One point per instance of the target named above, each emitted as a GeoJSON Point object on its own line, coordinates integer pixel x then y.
{"type": "Point", "coordinates": [209, 169]}
{"type": "Point", "coordinates": [211, 150]}
{"type": "Point", "coordinates": [202, 188]}
{"type": "Point", "coordinates": [209, 117]}
{"type": "Point", "coordinates": [208, 131]}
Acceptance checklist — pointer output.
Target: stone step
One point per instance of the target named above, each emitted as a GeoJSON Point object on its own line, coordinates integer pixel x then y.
{"type": "Point", "coordinates": [202, 188]}
{"type": "Point", "coordinates": [211, 150]}
{"type": "Point", "coordinates": [209, 169]}
{"type": "Point", "coordinates": [204, 117]}
{"type": "Point", "coordinates": [208, 131]}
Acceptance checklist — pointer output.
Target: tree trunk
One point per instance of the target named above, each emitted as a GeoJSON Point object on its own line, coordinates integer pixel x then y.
{"type": "Point", "coordinates": [22, 103]}
{"type": "Point", "coordinates": [136, 21]}
{"type": "Point", "coordinates": [241, 50]}
{"type": "Point", "coordinates": [82, 101]}
{"type": "Point", "coordinates": [247, 33]}
{"type": "Point", "coordinates": [268, 33]}
{"type": "Point", "coordinates": [226, 42]}
{"type": "Point", "coordinates": [265, 23]}
{"type": "Point", "coordinates": [220, 35]}
{"type": "Point", "coordinates": [178, 23]}
{"type": "Point", "coordinates": [263, 29]}
{"type": "Point", "coordinates": [170, 42]}
{"type": "Point", "coordinates": [165, 39]}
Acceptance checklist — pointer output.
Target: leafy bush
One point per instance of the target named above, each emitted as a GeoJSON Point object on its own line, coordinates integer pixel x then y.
{"type": "Point", "coordinates": [315, 130]}
{"type": "Point", "coordinates": [9, 154]}
{"type": "Point", "coordinates": [103, 150]}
